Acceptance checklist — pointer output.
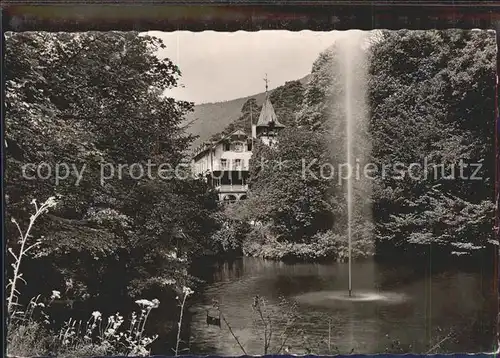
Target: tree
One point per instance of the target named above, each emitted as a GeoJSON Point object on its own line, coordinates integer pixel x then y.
{"type": "Point", "coordinates": [94, 98]}
{"type": "Point", "coordinates": [286, 100]}
{"type": "Point", "coordinates": [250, 106]}
{"type": "Point", "coordinates": [432, 97]}
{"type": "Point", "coordinates": [296, 202]}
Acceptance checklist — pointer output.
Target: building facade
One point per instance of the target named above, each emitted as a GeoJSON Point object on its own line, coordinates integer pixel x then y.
{"type": "Point", "coordinates": [225, 163]}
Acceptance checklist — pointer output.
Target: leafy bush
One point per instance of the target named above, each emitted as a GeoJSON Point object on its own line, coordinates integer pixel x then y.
{"type": "Point", "coordinates": [325, 245]}
{"type": "Point", "coordinates": [68, 99]}
{"type": "Point", "coordinates": [229, 238]}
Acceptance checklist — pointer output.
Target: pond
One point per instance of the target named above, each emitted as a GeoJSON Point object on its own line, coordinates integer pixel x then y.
{"type": "Point", "coordinates": [403, 308]}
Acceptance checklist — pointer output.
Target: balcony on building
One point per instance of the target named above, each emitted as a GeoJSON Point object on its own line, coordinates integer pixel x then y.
{"type": "Point", "coordinates": [232, 188]}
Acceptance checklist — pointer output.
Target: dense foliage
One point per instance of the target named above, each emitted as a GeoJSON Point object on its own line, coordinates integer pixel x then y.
{"type": "Point", "coordinates": [87, 122]}
{"type": "Point", "coordinates": [430, 100]}
{"type": "Point", "coordinates": [92, 103]}
{"type": "Point", "coordinates": [432, 97]}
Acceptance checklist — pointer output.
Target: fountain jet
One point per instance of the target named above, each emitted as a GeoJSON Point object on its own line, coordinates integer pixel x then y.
{"type": "Point", "coordinates": [351, 70]}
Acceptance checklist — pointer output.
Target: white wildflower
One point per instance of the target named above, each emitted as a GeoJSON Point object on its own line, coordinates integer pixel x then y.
{"type": "Point", "coordinates": [156, 303]}
{"type": "Point", "coordinates": [96, 314]}
{"type": "Point", "coordinates": [51, 202]}
{"type": "Point", "coordinates": [168, 282]}
{"type": "Point", "coordinates": [117, 325]}
{"type": "Point", "coordinates": [144, 303]}
{"type": "Point", "coordinates": [187, 291]}
{"type": "Point", "coordinates": [140, 351]}
{"type": "Point", "coordinates": [55, 294]}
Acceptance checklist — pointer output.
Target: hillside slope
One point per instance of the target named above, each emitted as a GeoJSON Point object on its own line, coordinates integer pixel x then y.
{"type": "Point", "coordinates": [210, 118]}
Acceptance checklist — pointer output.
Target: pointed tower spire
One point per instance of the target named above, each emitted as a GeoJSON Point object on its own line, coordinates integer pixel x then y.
{"type": "Point", "coordinates": [267, 116]}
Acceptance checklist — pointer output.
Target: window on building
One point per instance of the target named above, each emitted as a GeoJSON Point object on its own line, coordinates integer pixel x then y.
{"type": "Point", "coordinates": [238, 147]}
{"type": "Point", "coordinates": [223, 163]}
{"type": "Point", "coordinates": [227, 147]}
{"type": "Point", "coordinates": [237, 163]}
{"type": "Point", "coordinates": [249, 146]}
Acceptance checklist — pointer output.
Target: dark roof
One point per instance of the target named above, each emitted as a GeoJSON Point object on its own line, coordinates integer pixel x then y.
{"type": "Point", "coordinates": [209, 145]}
{"type": "Point", "coordinates": [267, 117]}
{"type": "Point", "coordinates": [237, 132]}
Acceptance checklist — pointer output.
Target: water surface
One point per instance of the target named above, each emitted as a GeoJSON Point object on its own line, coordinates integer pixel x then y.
{"type": "Point", "coordinates": [412, 310]}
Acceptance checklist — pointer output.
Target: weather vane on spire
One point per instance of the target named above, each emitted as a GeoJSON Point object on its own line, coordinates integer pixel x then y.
{"type": "Point", "coordinates": [267, 82]}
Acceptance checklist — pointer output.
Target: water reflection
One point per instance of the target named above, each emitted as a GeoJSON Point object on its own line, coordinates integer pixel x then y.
{"type": "Point", "coordinates": [454, 303]}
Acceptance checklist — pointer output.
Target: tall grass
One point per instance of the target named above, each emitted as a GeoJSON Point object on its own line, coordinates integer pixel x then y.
{"type": "Point", "coordinates": [25, 246]}
{"type": "Point", "coordinates": [28, 332]}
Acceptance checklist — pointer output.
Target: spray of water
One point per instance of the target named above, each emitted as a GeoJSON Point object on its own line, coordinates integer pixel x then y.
{"type": "Point", "coordinates": [329, 298]}
{"type": "Point", "coordinates": [351, 144]}
{"type": "Point", "coordinates": [349, 118]}
{"type": "Point", "coordinates": [351, 69]}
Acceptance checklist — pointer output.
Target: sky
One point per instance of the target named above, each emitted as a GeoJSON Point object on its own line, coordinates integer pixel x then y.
{"type": "Point", "coordinates": [221, 66]}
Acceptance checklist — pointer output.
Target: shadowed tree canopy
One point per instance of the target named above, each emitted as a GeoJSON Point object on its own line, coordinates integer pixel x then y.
{"type": "Point", "coordinates": [431, 97]}
{"type": "Point", "coordinates": [86, 99]}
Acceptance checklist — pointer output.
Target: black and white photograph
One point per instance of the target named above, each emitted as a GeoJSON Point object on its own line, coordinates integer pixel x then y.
{"type": "Point", "coordinates": [250, 193]}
